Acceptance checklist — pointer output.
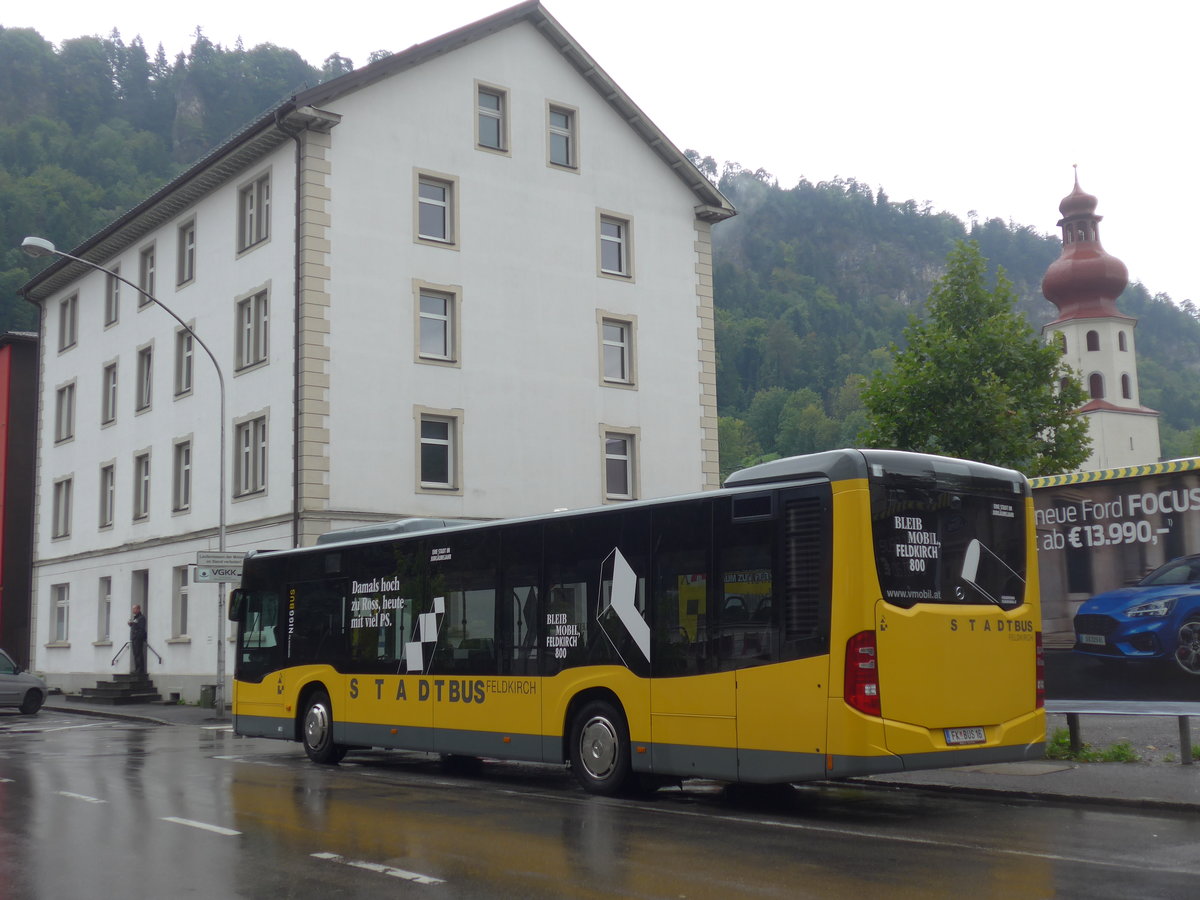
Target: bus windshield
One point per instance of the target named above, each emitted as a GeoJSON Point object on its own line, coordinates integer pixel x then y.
{"type": "Point", "coordinates": [941, 542]}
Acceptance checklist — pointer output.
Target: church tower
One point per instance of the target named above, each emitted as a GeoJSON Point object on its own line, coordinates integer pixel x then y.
{"type": "Point", "coordinates": [1096, 338]}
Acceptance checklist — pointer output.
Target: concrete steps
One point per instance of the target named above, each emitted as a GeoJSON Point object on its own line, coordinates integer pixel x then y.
{"type": "Point", "coordinates": [122, 690]}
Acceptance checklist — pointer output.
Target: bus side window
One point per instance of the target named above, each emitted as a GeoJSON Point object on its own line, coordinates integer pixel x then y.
{"type": "Point", "coordinates": [680, 589]}
{"type": "Point", "coordinates": [463, 571]}
{"type": "Point", "coordinates": [746, 629]}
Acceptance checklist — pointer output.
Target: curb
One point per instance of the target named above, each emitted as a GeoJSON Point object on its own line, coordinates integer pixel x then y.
{"type": "Point", "coordinates": [124, 716]}
{"type": "Point", "coordinates": [1040, 796]}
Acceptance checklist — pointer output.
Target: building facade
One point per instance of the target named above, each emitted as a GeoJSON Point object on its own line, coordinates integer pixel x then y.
{"type": "Point", "coordinates": [470, 280]}
{"type": "Point", "coordinates": [1096, 339]}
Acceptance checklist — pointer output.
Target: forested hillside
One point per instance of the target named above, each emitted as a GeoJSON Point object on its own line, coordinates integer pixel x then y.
{"type": "Point", "coordinates": [89, 129]}
{"type": "Point", "coordinates": [813, 282]}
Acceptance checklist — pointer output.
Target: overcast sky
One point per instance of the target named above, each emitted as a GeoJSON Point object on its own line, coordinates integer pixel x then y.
{"type": "Point", "coordinates": [966, 105]}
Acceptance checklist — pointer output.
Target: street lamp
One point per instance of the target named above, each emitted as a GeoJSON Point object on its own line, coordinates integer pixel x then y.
{"type": "Point", "coordinates": [40, 247]}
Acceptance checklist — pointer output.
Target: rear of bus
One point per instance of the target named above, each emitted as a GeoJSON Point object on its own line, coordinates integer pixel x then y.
{"type": "Point", "coordinates": [940, 660]}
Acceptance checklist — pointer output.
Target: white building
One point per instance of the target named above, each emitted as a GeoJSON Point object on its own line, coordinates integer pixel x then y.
{"type": "Point", "coordinates": [470, 280]}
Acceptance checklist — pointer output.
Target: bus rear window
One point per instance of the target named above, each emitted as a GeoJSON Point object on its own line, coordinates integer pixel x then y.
{"type": "Point", "coordinates": [938, 544]}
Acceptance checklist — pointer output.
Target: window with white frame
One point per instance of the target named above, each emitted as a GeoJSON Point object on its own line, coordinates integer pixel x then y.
{"type": "Point", "coordinates": [64, 413]}
{"type": "Point", "coordinates": [254, 212]}
{"type": "Point", "coordinates": [104, 611]}
{"type": "Point", "coordinates": [141, 485]}
{"type": "Point", "coordinates": [112, 295]}
{"type": "Point", "coordinates": [181, 477]}
{"type": "Point", "coordinates": [60, 601]}
{"type": "Point", "coordinates": [108, 494]}
{"type": "Point", "coordinates": [186, 253]}
{"type": "Point", "coordinates": [252, 318]}
{"type": "Point", "coordinates": [250, 457]}
{"type": "Point", "coordinates": [147, 270]}
{"type": "Point", "coordinates": [561, 135]}
{"type": "Point", "coordinates": [620, 469]}
{"type": "Point", "coordinates": [145, 378]}
{"type": "Point", "coordinates": [437, 322]}
{"type": "Point", "coordinates": [68, 322]}
{"type": "Point", "coordinates": [179, 602]}
{"type": "Point", "coordinates": [614, 233]}
{"type": "Point", "coordinates": [60, 523]}
{"type": "Point", "coordinates": [436, 209]}
{"type": "Point", "coordinates": [616, 350]}
{"type": "Point", "coordinates": [492, 117]}
{"type": "Point", "coordinates": [108, 394]}
{"type": "Point", "coordinates": [438, 450]}
{"type": "Point", "coordinates": [184, 358]}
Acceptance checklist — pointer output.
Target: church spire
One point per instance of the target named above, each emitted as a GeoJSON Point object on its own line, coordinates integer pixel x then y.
{"type": "Point", "coordinates": [1085, 281]}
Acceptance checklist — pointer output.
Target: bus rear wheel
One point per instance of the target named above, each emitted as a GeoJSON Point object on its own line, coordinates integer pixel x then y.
{"type": "Point", "coordinates": [316, 731]}
{"type": "Point", "coordinates": [600, 749]}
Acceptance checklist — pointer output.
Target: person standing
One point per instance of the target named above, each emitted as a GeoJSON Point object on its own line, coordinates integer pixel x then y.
{"type": "Point", "coordinates": [137, 641]}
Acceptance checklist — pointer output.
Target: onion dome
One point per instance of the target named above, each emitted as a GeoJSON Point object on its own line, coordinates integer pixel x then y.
{"type": "Point", "coordinates": [1085, 281]}
{"type": "Point", "coordinates": [1077, 203]}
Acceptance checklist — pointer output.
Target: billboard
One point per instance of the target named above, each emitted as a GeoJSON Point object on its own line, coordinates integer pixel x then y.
{"type": "Point", "coordinates": [1120, 595]}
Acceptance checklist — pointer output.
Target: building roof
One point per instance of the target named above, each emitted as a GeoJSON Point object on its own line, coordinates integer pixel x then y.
{"type": "Point", "coordinates": [1096, 405]}
{"type": "Point", "coordinates": [302, 110]}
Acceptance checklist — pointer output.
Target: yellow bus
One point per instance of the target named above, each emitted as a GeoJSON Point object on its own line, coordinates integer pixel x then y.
{"type": "Point", "coordinates": [843, 613]}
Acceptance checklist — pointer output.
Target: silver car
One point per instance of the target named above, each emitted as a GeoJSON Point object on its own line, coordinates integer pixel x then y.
{"type": "Point", "coordinates": [20, 689]}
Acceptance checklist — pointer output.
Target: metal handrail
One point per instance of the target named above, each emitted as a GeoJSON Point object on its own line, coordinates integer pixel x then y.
{"type": "Point", "coordinates": [126, 647]}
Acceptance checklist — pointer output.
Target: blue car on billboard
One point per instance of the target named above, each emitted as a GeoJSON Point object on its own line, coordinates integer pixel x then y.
{"type": "Point", "coordinates": [1156, 619]}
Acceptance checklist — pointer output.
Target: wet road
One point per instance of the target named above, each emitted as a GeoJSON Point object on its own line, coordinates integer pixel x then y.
{"type": "Point", "coordinates": [96, 808]}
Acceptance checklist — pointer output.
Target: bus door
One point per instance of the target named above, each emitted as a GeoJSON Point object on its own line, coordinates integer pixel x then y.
{"type": "Point", "coordinates": [386, 700]}
{"type": "Point", "coordinates": [478, 711]}
{"type": "Point", "coordinates": [774, 570]}
{"type": "Point", "coordinates": [693, 705]}
{"type": "Point", "coordinates": [955, 629]}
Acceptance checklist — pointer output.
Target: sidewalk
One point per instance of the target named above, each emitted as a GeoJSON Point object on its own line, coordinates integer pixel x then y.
{"type": "Point", "coordinates": [1156, 780]}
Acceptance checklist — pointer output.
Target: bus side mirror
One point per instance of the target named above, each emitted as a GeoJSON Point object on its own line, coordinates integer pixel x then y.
{"type": "Point", "coordinates": [237, 605]}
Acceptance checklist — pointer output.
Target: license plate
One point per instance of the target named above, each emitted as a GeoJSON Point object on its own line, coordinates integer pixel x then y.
{"type": "Point", "coordinates": [1092, 639]}
{"type": "Point", "coordinates": [965, 736]}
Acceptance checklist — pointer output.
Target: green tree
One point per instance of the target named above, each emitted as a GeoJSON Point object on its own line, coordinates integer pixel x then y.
{"type": "Point", "coordinates": [737, 444]}
{"type": "Point", "coordinates": [975, 381]}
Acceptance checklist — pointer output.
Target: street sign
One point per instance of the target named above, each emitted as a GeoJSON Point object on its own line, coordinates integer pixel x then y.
{"type": "Point", "coordinates": [215, 566]}
{"type": "Point", "coordinates": [212, 574]}
{"type": "Point", "coordinates": [219, 558]}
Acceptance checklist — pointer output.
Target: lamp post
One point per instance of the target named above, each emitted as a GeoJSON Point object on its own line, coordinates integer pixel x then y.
{"type": "Point", "coordinates": [40, 247]}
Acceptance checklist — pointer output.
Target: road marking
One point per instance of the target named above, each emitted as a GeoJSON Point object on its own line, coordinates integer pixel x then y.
{"type": "Point", "coordinates": [246, 759]}
{"type": "Point", "coordinates": [69, 727]}
{"type": "Point", "coordinates": [216, 728]}
{"type": "Point", "coordinates": [6, 781]}
{"type": "Point", "coordinates": [191, 823]}
{"type": "Point", "coordinates": [83, 797]}
{"type": "Point", "coordinates": [923, 841]}
{"type": "Point", "coordinates": [380, 868]}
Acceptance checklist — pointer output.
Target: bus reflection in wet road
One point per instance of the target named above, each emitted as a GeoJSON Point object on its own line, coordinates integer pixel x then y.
{"type": "Point", "coordinates": [126, 810]}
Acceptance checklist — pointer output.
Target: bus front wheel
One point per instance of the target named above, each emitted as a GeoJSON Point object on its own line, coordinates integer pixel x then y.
{"type": "Point", "coordinates": [600, 749]}
{"type": "Point", "coordinates": [317, 731]}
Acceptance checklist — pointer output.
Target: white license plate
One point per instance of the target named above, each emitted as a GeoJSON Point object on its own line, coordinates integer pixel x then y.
{"type": "Point", "coordinates": [1097, 639]}
{"type": "Point", "coordinates": [965, 736]}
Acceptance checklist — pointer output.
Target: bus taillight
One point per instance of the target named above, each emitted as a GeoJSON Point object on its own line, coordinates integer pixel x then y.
{"type": "Point", "coordinates": [862, 674]}
{"type": "Point", "coordinates": [1041, 671]}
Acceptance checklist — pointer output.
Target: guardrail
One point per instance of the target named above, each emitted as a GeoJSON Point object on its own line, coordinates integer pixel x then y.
{"type": "Point", "coordinates": [1073, 709]}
